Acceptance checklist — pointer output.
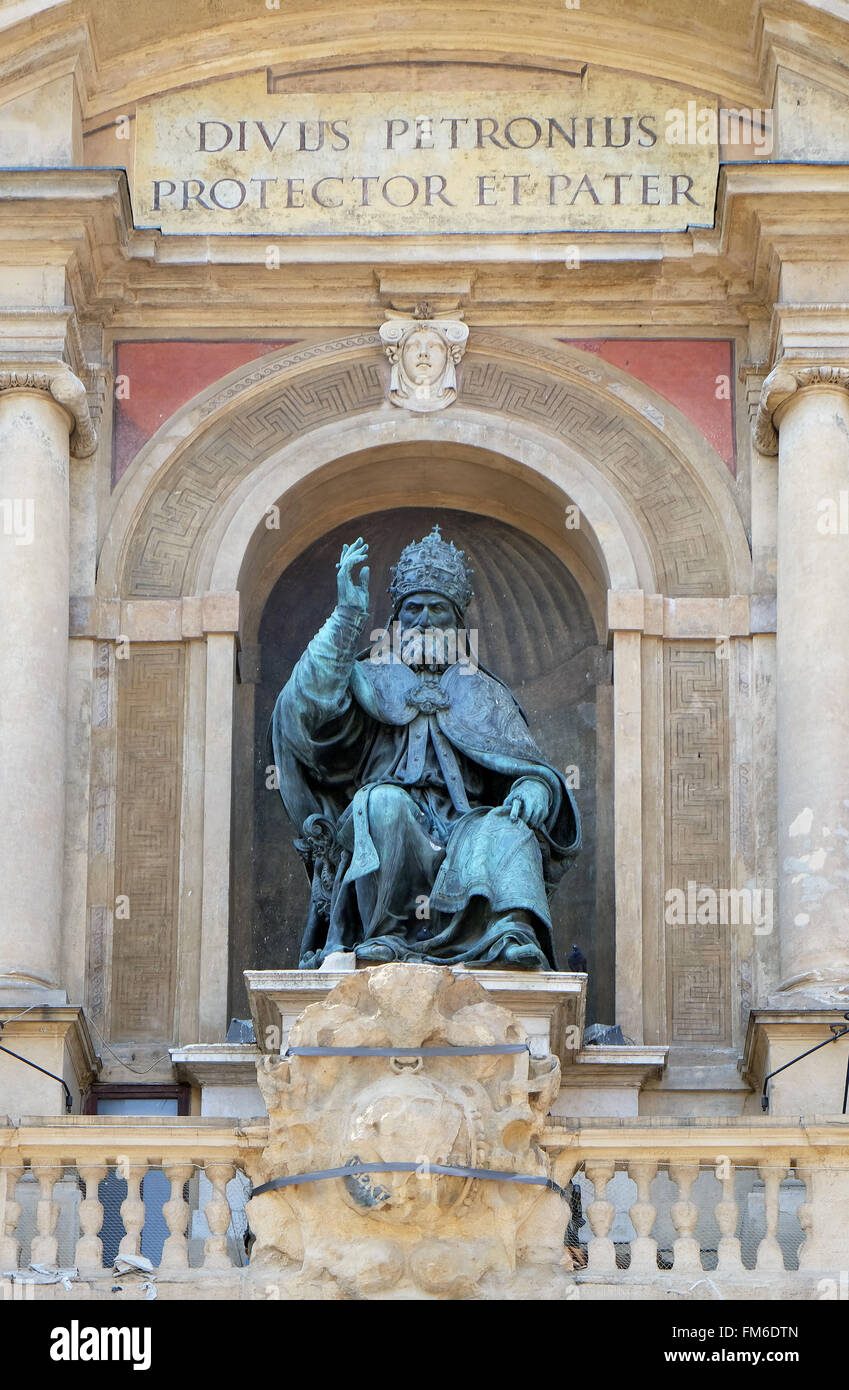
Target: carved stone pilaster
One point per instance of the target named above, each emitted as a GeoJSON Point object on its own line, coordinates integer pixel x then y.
{"type": "Point", "coordinates": [783, 382]}
{"type": "Point", "coordinates": [68, 391]}
{"type": "Point", "coordinates": [751, 376]}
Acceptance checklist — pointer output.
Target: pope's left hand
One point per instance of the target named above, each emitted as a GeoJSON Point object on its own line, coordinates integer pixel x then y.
{"type": "Point", "coordinates": [528, 802]}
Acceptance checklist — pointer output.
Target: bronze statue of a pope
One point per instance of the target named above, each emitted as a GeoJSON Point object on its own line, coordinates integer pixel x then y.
{"type": "Point", "coordinates": [431, 825]}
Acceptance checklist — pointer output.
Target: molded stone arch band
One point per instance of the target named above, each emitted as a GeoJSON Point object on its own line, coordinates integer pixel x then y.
{"type": "Point", "coordinates": [669, 491]}
{"type": "Point", "coordinates": [378, 461]}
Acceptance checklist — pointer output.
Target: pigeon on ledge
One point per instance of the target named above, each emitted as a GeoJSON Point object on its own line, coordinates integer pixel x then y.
{"type": "Point", "coordinates": [576, 960]}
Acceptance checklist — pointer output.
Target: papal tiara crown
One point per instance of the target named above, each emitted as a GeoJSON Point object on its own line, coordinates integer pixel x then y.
{"type": "Point", "coordinates": [435, 566]}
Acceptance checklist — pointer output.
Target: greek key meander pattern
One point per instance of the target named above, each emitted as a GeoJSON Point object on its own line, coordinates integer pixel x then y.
{"type": "Point", "coordinates": [147, 849]}
{"type": "Point", "coordinates": [696, 760]}
{"type": "Point", "coordinates": [653, 483]}
{"type": "Point", "coordinates": [201, 479]}
{"type": "Point", "coordinates": [663, 496]}
{"type": "Point", "coordinates": [287, 362]}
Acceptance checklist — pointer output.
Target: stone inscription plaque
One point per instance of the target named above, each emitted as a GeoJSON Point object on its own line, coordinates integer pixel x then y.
{"type": "Point", "coordinates": [229, 157]}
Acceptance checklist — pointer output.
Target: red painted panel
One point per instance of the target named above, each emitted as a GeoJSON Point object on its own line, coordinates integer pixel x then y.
{"type": "Point", "coordinates": [164, 375]}
{"type": "Point", "coordinates": [688, 372]}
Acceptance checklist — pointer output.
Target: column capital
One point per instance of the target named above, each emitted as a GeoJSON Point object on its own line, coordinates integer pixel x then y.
{"type": "Point", "coordinates": [785, 379]}
{"type": "Point", "coordinates": [66, 389]}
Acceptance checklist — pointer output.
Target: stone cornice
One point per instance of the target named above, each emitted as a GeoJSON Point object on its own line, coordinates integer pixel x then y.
{"type": "Point", "coordinates": [152, 620]}
{"type": "Point", "coordinates": [784, 381]}
{"type": "Point", "coordinates": [66, 390]}
{"type": "Point", "coordinates": [128, 277]}
{"type": "Point", "coordinates": [739, 63]}
{"type": "Point", "coordinates": [216, 1064]}
{"type": "Point", "coordinates": [64, 1021]}
{"type": "Point", "coordinates": [745, 1139]}
{"type": "Point", "coordinates": [219, 44]}
{"type": "Point", "coordinates": [655, 615]}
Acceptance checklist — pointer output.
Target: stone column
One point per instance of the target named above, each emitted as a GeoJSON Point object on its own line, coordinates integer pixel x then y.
{"type": "Point", "coordinates": [39, 410]}
{"type": "Point", "coordinates": [809, 409]}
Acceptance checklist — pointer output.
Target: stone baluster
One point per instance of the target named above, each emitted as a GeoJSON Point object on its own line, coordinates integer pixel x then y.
{"type": "Point", "coordinates": [132, 1209]}
{"type": "Point", "coordinates": [770, 1256]}
{"type": "Point", "coordinates": [643, 1214]}
{"type": "Point", "coordinates": [217, 1212]}
{"type": "Point", "coordinates": [176, 1211]}
{"type": "Point", "coordinates": [728, 1256]}
{"type": "Point", "coordinates": [601, 1254]}
{"type": "Point", "coordinates": [685, 1214]}
{"type": "Point", "coordinates": [10, 1211]}
{"type": "Point", "coordinates": [805, 1216]}
{"type": "Point", "coordinates": [563, 1174]}
{"type": "Point", "coordinates": [89, 1251]}
{"type": "Point", "coordinates": [45, 1246]}
{"type": "Point", "coordinates": [824, 1218]}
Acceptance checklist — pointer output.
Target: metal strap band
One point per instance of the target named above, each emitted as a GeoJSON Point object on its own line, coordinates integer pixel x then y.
{"type": "Point", "coordinates": [446, 1051]}
{"type": "Point", "coordinates": [489, 1174]}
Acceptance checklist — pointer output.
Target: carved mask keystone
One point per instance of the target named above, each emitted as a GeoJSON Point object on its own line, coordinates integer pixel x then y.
{"type": "Point", "coordinates": [423, 355]}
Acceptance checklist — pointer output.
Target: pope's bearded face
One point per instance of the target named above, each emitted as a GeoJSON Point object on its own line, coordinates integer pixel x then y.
{"type": "Point", "coordinates": [427, 610]}
{"type": "Point", "coordinates": [424, 358]}
{"type": "Point", "coordinates": [423, 619]}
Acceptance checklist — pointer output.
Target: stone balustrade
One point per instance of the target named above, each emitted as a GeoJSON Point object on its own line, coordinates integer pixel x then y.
{"type": "Point", "coordinates": [740, 1198]}
{"type": "Point", "coordinates": [79, 1193]}
{"type": "Point", "coordinates": [741, 1205]}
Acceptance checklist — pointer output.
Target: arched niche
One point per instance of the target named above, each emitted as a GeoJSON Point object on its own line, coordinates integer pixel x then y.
{"type": "Point", "coordinates": [534, 630]}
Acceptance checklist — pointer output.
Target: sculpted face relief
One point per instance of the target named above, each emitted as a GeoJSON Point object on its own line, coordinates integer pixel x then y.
{"type": "Point", "coordinates": [423, 354]}
{"type": "Point", "coordinates": [424, 358]}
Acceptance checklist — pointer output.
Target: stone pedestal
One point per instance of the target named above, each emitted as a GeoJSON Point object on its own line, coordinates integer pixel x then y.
{"type": "Point", "coordinates": [550, 1004]}
{"type": "Point", "coordinates": [811, 1087]}
{"type": "Point", "coordinates": [225, 1075]}
{"type": "Point", "coordinates": [56, 1039]}
{"type": "Point", "coordinates": [419, 1175]}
